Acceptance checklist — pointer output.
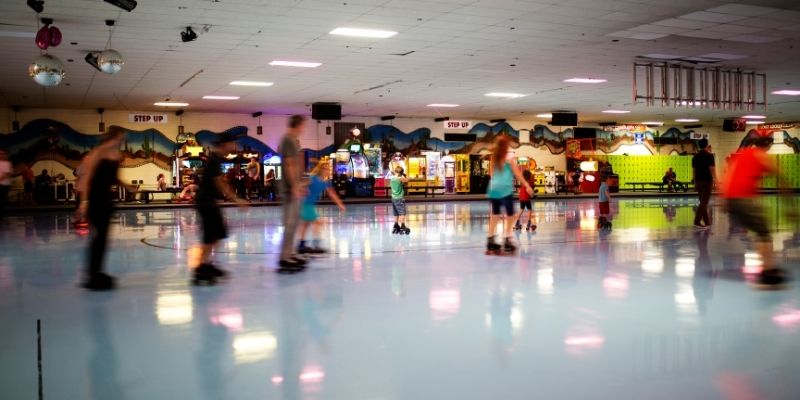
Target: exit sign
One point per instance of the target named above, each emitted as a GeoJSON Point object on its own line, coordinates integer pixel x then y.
{"type": "Point", "coordinates": [457, 124]}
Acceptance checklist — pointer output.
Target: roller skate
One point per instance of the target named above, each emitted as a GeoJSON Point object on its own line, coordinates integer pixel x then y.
{"type": "Point", "coordinates": [603, 223]}
{"type": "Point", "coordinates": [530, 227]}
{"type": "Point", "coordinates": [771, 279]}
{"type": "Point", "coordinates": [396, 229]}
{"type": "Point", "coordinates": [492, 248]}
{"type": "Point", "coordinates": [292, 265]}
{"type": "Point", "coordinates": [509, 247]}
{"type": "Point", "coordinates": [404, 230]}
{"type": "Point", "coordinates": [99, 282]}
{"type": "Point", "coordinates": [517, 226]}
{"type": "Point", "coordinates": [205, 275]}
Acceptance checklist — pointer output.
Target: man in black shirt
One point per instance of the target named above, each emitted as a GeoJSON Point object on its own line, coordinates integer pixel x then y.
{"type": "Point", "coordinates": [704, 173]}
{"type": "Point", "coordinates": [212, 187]}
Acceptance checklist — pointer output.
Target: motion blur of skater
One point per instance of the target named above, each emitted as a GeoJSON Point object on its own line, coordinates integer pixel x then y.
{"type": "Point", "coordinates": [211, 188]}
{"type": "Point", "coordinates": [740, 191]}
{"type": "Point", "coordinates": [98, 173]}
{"type": "Point", "coordinates": [525, 203]}
{"type": "Point", "coordinates": [293, 193]}
{"type": "Point", "coordinates": [320, 182]}
{"type": "Point", "coordinates": [502, 172]}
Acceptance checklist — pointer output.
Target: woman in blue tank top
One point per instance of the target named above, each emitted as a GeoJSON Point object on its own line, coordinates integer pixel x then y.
{"type": "Point", "coordinates": [501, 194]}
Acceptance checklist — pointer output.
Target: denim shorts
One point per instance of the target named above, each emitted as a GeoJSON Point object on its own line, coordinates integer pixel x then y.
{"type": "Point", "coordinates": [399, 207]}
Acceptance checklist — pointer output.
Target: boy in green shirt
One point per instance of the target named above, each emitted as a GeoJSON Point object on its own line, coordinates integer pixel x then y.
{"type": "Point", "coordinates": [399, 201]}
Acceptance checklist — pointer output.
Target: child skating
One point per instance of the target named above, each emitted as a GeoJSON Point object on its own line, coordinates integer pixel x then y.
{"type": "Point", "coordinates": [397, 183]}
{"type": "Point", "coordinates": [211, 187]}
{"type": "Point", "coordinates": [502, 172]}
{"type": "Point", "coordinates": [319, 183]}
{"type": "Point", "coordinates": [525, 203]}
{"type": "Point", "coordinates": [603, 222]}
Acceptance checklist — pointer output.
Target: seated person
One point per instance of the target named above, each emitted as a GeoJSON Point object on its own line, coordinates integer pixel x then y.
{"type": "Point", "coordinates": [161, 182]}
{"type": "Point", "coordinates": [671, 180]}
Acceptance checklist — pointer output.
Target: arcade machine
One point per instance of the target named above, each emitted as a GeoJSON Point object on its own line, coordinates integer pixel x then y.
{"type": "Point", "coordinates": [372, 151]}
{"type": "Point", "coordinates": [479, 176]}
{"type": "Point", "coordinates": [462, 173]}
{"type": "Point", "coordinates": [188, 164]}
{"type": "Point", "coordinates": [341, 172]}
{"type": "Point", "coordinates": [271, 163]}
{"type": "Point", "coordinates": [417, 174]}
{"type": "Point", "coordinates": [433, 160]}
{"type": "Point", "coordinates": [449, 172]}
{"type": "Point", "coordinates": [352, 164]}
{"type": "Point", "coordinates": [606, 170]}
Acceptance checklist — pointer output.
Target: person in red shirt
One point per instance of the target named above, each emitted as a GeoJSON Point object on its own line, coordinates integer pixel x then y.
{"type": "Point", "coordinates": [525, 204]}
{"type": "Point", "coordinates": [740, 191]}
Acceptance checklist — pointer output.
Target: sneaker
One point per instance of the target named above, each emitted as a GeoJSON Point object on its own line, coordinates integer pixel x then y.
{"type": "Point", "coordinates": [100, 281]}
{"type": "Point", "coordinates": [305, 250]}
{"type": "Point", "coordinates": [771, 279]}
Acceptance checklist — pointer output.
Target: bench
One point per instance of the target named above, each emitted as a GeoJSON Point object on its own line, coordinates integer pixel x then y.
{"type": "Point", "coordinates": [643, 186]}
{"type": "Point", "coordinates": [416, 190]}
{"type": "Point", "coordinates": [147, 195]}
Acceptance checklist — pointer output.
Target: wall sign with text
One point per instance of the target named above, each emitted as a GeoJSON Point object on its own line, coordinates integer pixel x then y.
{"type": "Point", "coordinates": [147, 118]}
{"type": "Point", "coordinates": [458, 125]}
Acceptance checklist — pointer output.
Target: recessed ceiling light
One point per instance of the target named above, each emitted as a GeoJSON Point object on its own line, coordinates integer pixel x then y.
{"type": "Point", "coordinates": [170, 104]}
{"type": "Point", "coordinates": [787, 92]}
{"type": "Point", "coordinates": [221, 97]}
{"type": "Point", "coordinates": [504, 94]}
{"type": "Point", "coordinates": [585, 80]}
{"type": "Point", "coordinates": [753, 117]}
{"type": "Point", "coordinates": [547, 115]}
{"type": "Point", "coordinates": [358, 32]}
{"type": "Point", "coordinates": [687, 120]}
{"type": "Point", "coordinates": [251, 83]}
{"type": "Point", "coordinates": [653, 123]}
{"type": "Point", "coordinates": [754, 122]}
{"type": "Point", "coordinates": [301, 64]}
{"type": "Point", "coordinates": [615, 111]}
{"type": "Point", "coordinates": [442, 105]}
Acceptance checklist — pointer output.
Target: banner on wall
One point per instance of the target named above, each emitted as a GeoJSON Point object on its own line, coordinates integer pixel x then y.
{"type": "Point", "coordinates": [147, 118]}
{"type": "Point", "coordinates": [626, 128]}
{"type": "Point", "coordinates": [780, 125]}
{"type": "Point", "coordinates": [458, 125]}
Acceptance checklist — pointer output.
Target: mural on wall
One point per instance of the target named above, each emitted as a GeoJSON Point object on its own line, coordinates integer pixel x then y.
{"type": "Point", "coordinates": [45, 139]}
{"type": "Point", "coordinates": [674, 140]}
{"type": "Point", "coordinates": [751, 136]}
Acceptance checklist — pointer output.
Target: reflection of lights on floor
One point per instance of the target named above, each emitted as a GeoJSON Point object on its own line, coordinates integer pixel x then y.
{"type": "Point", "coordinates": [632, 235]}
{"type": "Point", "coordinates": [344, 249]}
{"type": "Point", "coordinates": [616, 286]}
{"type": "Point", "coordinates": [787, 318]}
{"type": "Point", "coordinates": [312, 375]}
{"type": "Point", "coordinates": [752, 264]}
{"type": "Point", "coordinates": [174, 308]}
{"type": "Point", "coordinates": [254, 346]}
{"type": "Point", "coordinates": [588, 341]}
{"type": "Point", "coordinates": [230, 318]}
{"type": "Point", "coordinates": [277, 380]}
{"type": "Point", "coordinates": [545, 281]}
{"type": "Point", "coordinates": [685, 300]}
{"type": "Point", "coordinates": [444, 303]}
{"type": "Point", "coordinates": [653, 266]}
{"type": "Point", "coordinates": [684, 267]}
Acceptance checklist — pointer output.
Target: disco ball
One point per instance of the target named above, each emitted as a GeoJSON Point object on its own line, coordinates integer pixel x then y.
{"type": "Point", "coordinates": [46, 70]}
{"type": "Point", "coordinates": [110, 61]}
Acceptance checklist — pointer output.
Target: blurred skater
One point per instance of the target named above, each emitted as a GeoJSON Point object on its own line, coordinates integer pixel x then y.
{"type": "Point", "coordinates": [212, 187]}
{"type": "Point", "coordinates": [502, 172]}
{"type": "Point", "coordinates": [319, 183]}
{"type": "Point", "coordinates": [525, 203]}
{"type": "Point", "coordinates": [98, 174]}
{"type": "Point", "coordinates": [6, 170]}
{"type": "Point", "coordinates": [740, 191]}
{"type": "Point", "coordinates": [293, 193]}
{"type": "Point", "coordinates": [396, 184]}
{"type": "Point", "coordinates": [604, 198]}
{"type": "Point", "coordinates": [704, 174]}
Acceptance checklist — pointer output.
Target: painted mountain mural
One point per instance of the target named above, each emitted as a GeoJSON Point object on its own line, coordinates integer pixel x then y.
{"type": "Point", "coordinates": [754, 134]}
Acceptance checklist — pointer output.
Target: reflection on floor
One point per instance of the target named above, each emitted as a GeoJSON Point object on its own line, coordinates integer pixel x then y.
{"type": "Point", "coordinates": [649, 310]}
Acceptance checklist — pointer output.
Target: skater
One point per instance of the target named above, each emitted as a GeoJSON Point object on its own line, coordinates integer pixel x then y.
{"type": "Point", "coordinates": [253, 178]}
{"type": "Point", "coordinates": [704, 175]}
{"type": "Point", "coordinates": [210, 189]}
{"type": "Point", "coordinates": [740, 191]}
{"type": "Point", "coordinates": [502, 172]}
{"type": "Point", "coordinates": [397, 183]}
{"type": "Point", "coordinates": [319, 183]}
{"type": "Point", "coordinates": [98, 174]}
{"type": "Point", "coordinates": [525, 204]}
{"type": "Point", "coordinates": [6, 170]}
{"type": "Point", "coordinates": [293, 193]}
{"type": "Point", "coordinates": [604, 196]}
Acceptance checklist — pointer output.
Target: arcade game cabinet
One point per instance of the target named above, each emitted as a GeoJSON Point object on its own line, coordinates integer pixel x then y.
{"type": "Point", "coordinates": [449, 172]}
{"type": "Point", "coordinates": [479, 176]}
{"type": "Point", "coordinates": [462, 173]}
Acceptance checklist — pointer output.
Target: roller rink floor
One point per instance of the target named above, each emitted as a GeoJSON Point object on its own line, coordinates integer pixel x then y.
{"type": "Point", "coordinates": [649, 310]}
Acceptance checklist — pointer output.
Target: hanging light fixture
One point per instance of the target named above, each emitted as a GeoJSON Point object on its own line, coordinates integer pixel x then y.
{"type": "Point", "coordinates": [259, 129]}
{"type": "Point", "coordinates": [181, 130]}
{"type": "Point", "coordinates": [102, 126]}
{"type": "Point", "coordinates": [45, 69]}
{"type": "Point", "coordinates": [109, 60]}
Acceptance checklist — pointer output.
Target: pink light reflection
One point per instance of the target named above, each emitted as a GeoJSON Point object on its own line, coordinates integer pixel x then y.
{"type": "Point", "coordinates": [277, 380]}
{"type": "Point", "coordinates": [751, 269]}
{"type": "Point", "coordinates": [444, 303]}
{"type": "Point", "coordinates": [312, 375]}
{"type": "Point", "coordinates": [616, 286]}
{"type": "Point", "coordinates": [230, 318]}
{"type": "Point", "coordinates": [588, 341]}
{"type": "Point", "coordinates": [787, 319]}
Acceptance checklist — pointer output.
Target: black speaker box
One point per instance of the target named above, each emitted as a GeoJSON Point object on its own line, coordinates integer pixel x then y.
{"type": "Point", "coordinates": [326, 111]}
{"type": "Point", "coordinates": [564, 119]}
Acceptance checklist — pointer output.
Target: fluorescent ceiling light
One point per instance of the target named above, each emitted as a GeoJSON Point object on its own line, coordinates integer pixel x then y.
{"type": "Point", "coordinates": [170, 104]}
{"type": "Point", "coordinates": [787, 92]}
{"type": "Point", "coordinates": [654, 123]}
{"type": "Point", "coordinates": [547, 115]}
{"type": "Point", "coordinates": [251, 83]}
{"type": "Point", "coordinates": [442, 105]}
{"type": "Point", "coordinates": [301, 64]}
{"type": "Point", "coordinates": [221, 97]}
{"type": "Point", "coordinates": [615, 111]}
{"type": "Point", "coordinates": [687, 120]}
{"type": "Point", "coordinates": [367, 33]}
{"type": "Point", "coordinates": [693, 103]}
{"type": "Point", "coordinates": [506, 95]}
{"type": "Point", "coordinates": [754, 117]}
{"type": "Point", "coordinates": [585, 80]}
{"type": "Point", "coordinates": [754, 122]}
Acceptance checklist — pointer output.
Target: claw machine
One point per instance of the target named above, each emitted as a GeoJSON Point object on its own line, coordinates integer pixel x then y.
{"type": "Point", "coordinates": [462, 173]}
{"type": "Point", "coordinates": [417, 174]}
{"type": "Point", "coordinates": [433, 161]}
{"type": "Point", "coordinates": [449, 173]}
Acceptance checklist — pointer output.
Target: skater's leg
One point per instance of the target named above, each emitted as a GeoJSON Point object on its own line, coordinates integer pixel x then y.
{"type": "Point", "coordinates": [316, 234]}
{"type": "Point", "coordinates": [100, 220]}
{"type": "Point", "coordinates": [291, 210]}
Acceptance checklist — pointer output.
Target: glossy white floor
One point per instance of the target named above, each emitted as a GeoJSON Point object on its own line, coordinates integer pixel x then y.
{"type": "Point", "coordinates": [651, 310]}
